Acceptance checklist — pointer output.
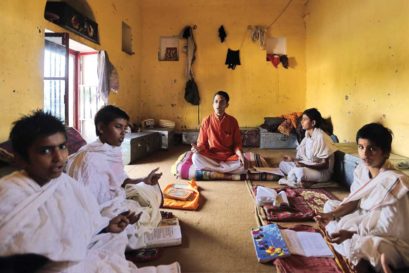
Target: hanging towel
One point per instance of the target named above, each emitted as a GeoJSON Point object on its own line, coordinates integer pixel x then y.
{"type": "Point", "coordinates": [108, 78]}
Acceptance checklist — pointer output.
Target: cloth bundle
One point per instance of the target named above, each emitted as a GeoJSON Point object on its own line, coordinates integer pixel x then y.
{"type": "Point", "coordinates": [190, 204]}
{"type": "Point", "coordinates": [270, 196]}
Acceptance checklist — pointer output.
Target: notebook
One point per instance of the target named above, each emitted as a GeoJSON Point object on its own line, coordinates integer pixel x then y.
{"type": "Point", "coordinates": [270, 243]}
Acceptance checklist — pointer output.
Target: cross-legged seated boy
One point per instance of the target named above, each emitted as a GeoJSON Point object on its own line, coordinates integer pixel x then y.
{"type": "Point", "coordinates": [99, 167]}
{"type": "Point", "coordinates": [46, 213]}
{"type": "Point", "coordinates": [314, 161]}
{"type": "Point", "coordinates": [372, 220]}
{"type": "Point", "coordinates": [219, 145]}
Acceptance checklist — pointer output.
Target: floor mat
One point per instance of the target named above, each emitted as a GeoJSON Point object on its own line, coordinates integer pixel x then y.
{"type": "Point", "coordinates": [302, 205]}
{"type": "Point", "coordinates": [184, 169]}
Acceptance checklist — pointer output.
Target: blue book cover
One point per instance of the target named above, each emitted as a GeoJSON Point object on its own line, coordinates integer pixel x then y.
{"type": "Point", "coordinates": [269, 243]}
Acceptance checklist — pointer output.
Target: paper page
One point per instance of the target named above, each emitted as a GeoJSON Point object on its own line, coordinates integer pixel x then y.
{"type": "Point", "coordinates": [276, 45]}
{"type": "Point", "coordinates": [292, 241]}
{"type": "Point", "coordinates": [163, 234]}
{"type": "Point", "coordinates": [314, 244]}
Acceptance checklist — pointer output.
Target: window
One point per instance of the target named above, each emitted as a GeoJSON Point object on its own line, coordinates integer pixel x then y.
{"type": "Point", "coordinates": [70, 83]}
{"type": "Point", "coordinates": [55, 75]}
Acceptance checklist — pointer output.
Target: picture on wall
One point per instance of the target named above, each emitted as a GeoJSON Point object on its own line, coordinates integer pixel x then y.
{"type": "Point", "coordinates": [169, 48]}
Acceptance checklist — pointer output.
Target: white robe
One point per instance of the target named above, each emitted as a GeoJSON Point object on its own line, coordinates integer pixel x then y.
{"type": "Point", "coordinates": [100, 168]}
{"type": "Point", "coordinates": [61, 221]}
{"type": "Point", "coordinates": [311, 151]}
{"type": "Point", "coordinates": [380, 222]}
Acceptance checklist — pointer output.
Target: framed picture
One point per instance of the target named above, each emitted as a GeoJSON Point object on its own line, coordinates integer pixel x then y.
{"type": "Point", "coordinates": [169, 48]}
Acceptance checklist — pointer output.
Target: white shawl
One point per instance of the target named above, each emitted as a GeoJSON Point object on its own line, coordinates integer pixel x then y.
{"type": "Point", "coordinates": [381, 217]}
{"type": "Point", "coordinates": [60, 221]}
{"type": "Point", "coordinates": [99, 167]}
{"type": "Point", "coordinates": [316, 147]}
{"type": "Point", "coordinates": [40, 220]}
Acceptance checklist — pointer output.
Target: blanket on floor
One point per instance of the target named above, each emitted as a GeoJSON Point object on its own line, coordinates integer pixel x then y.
{"type": "Point", "coordinates": [184, 168]}
{"type": "Point", "coordinates": [302, 204]}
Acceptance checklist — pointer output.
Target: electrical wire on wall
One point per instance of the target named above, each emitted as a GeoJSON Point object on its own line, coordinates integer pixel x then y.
{"type": "Point", "coordinates": [280, 14]}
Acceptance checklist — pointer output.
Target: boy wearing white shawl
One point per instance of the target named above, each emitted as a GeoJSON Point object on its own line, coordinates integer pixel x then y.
{"type": "Point", "coordinates": [372, 221]}
{"type": "Point", "coordinates": [46, 213]}
{"type": "Point", "coordinates": [99, 167]}
{"type": "Point", "coordinates": [314, 161]}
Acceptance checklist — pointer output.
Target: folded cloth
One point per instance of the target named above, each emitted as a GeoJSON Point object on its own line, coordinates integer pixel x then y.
{"type": "Point", "coordinates": [265, 195]}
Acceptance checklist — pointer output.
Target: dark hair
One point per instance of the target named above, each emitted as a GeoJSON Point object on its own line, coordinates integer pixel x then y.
{"type": "Point", "coordinates": [29, 128]}
{"type": "Point", "coordinates": [378, 134]}
{"type": "Point", "coordinates": [223, 94]}
{"type": "Point", "coordinates": [107, 114]}
{"type": "Point", "coordinates": [314, 114]}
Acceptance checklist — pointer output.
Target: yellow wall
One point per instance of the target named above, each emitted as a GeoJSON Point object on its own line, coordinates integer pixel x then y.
{"type": "Point", "coordinates": [358, 65]}
{"type": "Point", "coordinates": [21, 66]}
{"type": "Point", "coordinates": [257, 89]}
{"type": "Point", "coordinates": [22, 27]}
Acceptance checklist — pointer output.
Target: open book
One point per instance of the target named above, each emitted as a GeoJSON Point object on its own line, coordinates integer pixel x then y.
{"type": "Point", "coordinates": [168, 233]}
{"type": "Point", "coordinates": [308, 244]}
{"type": "Point", "coordinates": [170, 268]}
{"type": "Point", "coordinates": [270, 243]}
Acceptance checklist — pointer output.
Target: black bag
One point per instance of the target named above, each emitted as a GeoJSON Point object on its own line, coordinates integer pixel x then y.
{"type": "Point", "coordinates": [192, 92]}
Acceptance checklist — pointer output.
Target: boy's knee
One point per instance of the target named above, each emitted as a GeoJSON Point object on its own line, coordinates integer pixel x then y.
{"type": "Point", "coordinates": [196, 158]}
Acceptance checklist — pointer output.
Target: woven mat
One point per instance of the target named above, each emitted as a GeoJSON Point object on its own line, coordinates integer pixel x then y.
{"type": "Point", "coordinates": [303, 203]}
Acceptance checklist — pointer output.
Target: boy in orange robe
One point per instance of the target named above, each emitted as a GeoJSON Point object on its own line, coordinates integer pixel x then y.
{"type": "Point", "coordinates": [219, 145]}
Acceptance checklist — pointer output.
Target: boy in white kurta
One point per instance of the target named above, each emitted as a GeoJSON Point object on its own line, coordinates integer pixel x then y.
{"type": "Point", "coordinates": [314, 161]}
{"type": "Point", "coordinates": [47, 213]}
{"type": "Point", "coordinates": [99, 167]}
{"type": "Point", "coordinates": [372, 221]}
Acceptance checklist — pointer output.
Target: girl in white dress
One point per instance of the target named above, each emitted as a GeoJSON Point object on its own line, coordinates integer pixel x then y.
{"type": "Point", "coordinates": [314, 161]}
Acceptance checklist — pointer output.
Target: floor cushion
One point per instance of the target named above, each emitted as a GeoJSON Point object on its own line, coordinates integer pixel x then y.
{"type": "Point", "coordinates": [184, 169]}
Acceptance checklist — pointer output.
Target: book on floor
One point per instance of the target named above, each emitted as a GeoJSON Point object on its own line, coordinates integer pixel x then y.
{"type": "Point", "coordinates": [308, 244]}
{"type": "Point", "coordinates": [168, 233]}
{"type": "Point", "coordinates": [170, 268]}
{"type": "Point", "coordinates": [270, 243]}
{"type": "Point", "coordinates": [178, 192]}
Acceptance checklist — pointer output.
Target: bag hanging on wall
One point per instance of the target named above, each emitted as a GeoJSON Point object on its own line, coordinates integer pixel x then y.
{"type": "Point", "coordinates": [192, 92]}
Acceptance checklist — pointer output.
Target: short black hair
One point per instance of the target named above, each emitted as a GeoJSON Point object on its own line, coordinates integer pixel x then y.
{"type": "Point", "coordinates": [107, 114]}
{"type": "Point", "coordinates": [378, 134]}
{"type": "Point", "coordinates": [29, 128]}
{"type": "Point", "coordinates": [223, 94]}
{"type": "Point", "coordinates": [314, 114]}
